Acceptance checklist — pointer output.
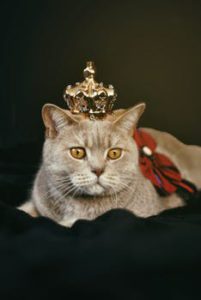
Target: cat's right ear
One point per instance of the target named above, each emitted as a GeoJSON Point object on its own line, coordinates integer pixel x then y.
{"type": "Point", "coordinates": [55, 118]}
{"type": "Point", "coordinates": [128, 119]}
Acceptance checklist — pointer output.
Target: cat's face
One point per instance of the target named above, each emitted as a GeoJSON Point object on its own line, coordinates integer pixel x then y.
{"type": "Point", "coordinates": [87, 157]}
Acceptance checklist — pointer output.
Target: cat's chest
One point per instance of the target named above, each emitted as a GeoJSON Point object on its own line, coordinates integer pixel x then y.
{"type": "Point", "coordinates": [89, 207]}
{"type": "Point", "coordinates": [77, 209]}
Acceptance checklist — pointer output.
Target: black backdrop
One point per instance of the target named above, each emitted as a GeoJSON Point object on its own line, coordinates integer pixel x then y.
{"type": "Point", "coordinates": [149, 50]}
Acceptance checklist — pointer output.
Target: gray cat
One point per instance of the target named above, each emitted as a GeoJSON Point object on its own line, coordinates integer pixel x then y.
{"type": "Point", "coordinates": [90, 167]}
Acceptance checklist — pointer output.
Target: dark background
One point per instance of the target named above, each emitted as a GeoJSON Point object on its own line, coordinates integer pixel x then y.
{"type": "Point", "coordinates": [149, 50]}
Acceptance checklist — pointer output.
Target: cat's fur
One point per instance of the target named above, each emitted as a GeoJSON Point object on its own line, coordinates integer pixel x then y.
{"type": "Point", "coordinates": [67, 189]}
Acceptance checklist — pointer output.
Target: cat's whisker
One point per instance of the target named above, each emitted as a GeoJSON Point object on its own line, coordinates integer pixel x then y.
{"type": "Point", "coordinates": [67, 188]}
{"type": "Point", "coordinates": [126, 186]}
{"type": "Point", "coordinates": [77, 190]}
{"type": "Point", "coordinates": [53, 191]}
{"type": "Point", "coordinates": [49, 194]}
{"type": "Point", "coordinates": [66, 180]}
{"type": "Point", "coordinates": [117, 183]}
{"type": "Point", "coordinates": [59, 189]}
{"type": "Point", "coordinates": [70, 191]}
{"type": "Point", "coordinates": [61, 177]}
{"type": "Point", "coordinates": [66, 193]}
{"type": "Point", "coordinates": [115, 197]}
{"type": "Point", "coordinates": [114, 194]}
{"type": "Point", "coordinates": [57, 185]}
{"type": "Point", "coordinates": [64, 184]}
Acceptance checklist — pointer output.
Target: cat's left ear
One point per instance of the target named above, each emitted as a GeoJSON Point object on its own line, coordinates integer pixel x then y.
{"type": "Point", "coordinates": [55, 118]}
{"type": "Point", "coordinates": [129, 118]}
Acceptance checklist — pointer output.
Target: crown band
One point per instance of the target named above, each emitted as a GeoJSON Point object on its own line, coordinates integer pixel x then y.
{"type": "Point", "coordinates": [89, 96]}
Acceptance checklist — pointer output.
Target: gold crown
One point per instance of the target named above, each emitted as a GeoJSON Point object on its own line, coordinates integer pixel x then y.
{"type": "Point", "coordinates": [89, 96]}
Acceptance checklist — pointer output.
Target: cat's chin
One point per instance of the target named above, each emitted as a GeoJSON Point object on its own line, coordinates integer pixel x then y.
{"type": "Point", "coordinates": [95, 190]}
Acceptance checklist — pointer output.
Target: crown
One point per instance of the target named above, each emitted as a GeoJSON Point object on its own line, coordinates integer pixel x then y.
{"type": "Point", "coordinates": [89, 96]}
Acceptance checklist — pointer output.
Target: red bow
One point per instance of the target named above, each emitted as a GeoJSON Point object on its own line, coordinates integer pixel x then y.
{"type": "Point", "coordinates": [158, 168]}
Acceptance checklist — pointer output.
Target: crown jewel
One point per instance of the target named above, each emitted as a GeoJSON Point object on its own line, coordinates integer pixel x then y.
{"type": "Point", "coordinates": [89, 96]}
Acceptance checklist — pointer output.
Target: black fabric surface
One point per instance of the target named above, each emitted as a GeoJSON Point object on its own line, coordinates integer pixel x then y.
{"type": "Point", "coordinates": [116, 256]}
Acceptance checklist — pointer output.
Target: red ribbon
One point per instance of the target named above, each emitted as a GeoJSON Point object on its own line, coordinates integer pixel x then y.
{"type": "Point", "coordinates": [158, 168]}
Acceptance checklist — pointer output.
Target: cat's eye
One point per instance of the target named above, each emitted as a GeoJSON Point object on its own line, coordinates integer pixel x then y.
{"type": "Point", "coordinates": [114, 153]}
{"type": "Point", "coordinates": [78, 152]}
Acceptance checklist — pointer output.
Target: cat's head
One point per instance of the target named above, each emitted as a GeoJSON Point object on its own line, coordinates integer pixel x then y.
{"type": "Point", "coordinates": [91, 157]}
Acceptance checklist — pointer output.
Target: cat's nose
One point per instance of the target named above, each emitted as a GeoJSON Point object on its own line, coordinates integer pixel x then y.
{"type": "Point", "coordinates": [97, 171]}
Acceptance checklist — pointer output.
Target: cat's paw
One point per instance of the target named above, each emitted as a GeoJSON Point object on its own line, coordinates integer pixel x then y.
{"type": "Point", "coordinates": [29, 208]}
{"type": "Point", "coordinates": [68, 222]}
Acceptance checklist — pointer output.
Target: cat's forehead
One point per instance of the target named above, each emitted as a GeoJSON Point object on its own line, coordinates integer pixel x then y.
{"type": "Point", "coordinates": [98, 133]}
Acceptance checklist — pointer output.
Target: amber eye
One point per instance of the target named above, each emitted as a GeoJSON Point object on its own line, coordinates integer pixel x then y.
{"type": "Point", "coordinates": [78, 153]}
{"type": "Point", "coordinates": [114, 153]}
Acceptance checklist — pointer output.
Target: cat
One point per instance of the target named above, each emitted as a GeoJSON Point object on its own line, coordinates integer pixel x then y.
{"type": "Point", "coordinates": [92, 166]}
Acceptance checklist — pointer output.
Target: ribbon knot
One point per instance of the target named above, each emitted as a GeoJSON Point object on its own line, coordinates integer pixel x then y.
{"type": "Point", "coordinates": [157, 167]}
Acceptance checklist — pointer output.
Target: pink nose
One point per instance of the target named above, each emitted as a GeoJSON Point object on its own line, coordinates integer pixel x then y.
{"type": "Point", "coordinates": [98, 172]}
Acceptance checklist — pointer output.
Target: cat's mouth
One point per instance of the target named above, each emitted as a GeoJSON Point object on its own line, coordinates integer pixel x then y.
{"type": "Point", "coordinates": [93, 187]}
